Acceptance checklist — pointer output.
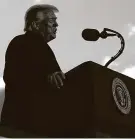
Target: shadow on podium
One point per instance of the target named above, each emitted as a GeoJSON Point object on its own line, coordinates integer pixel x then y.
{"type": "Point", "coordinates": [87, 105]}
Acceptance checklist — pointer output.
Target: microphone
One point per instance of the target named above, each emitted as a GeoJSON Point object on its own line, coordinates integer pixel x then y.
{"type": "Point", "coordinates": [94, 35]}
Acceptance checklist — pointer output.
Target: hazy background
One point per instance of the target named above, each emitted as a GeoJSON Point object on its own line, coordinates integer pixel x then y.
{"type": "Point", "coordinates": [75, 15]}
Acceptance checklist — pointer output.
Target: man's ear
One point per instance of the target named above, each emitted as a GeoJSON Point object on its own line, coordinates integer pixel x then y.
{"type": "Point", "coordinates": [35, 25]}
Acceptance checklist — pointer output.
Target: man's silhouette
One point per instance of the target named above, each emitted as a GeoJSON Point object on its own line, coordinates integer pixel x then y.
{"type": "Point", "coordinates": [31, 73]}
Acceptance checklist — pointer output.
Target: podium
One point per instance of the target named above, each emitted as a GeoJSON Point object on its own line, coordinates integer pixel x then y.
{"type": "Point", "coordinates": [94, 102]}
{"type": "Point", "coordinates": [114, 102]}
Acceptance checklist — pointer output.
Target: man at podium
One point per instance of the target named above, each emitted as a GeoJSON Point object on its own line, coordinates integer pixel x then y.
{"type": "Point", "coordinates": [31, 71]}
{"type": "Point", "coordinates": [40, 101]}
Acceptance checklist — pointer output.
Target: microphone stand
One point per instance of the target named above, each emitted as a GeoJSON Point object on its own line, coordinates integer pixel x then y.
{"type": "Point", "coordinates": [122, 45]}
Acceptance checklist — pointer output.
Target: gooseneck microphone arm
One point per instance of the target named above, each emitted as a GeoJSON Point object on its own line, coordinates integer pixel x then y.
{"type": "Point", "coordinates": [104, 35]}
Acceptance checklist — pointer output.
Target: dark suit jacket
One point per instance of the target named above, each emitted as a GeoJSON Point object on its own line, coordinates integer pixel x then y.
{"type": "Point", "coordinates": [28, 62]}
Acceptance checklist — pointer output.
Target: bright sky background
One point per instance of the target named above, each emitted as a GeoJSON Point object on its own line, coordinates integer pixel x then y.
{"type": "Point", "coordinates": [75, 15]}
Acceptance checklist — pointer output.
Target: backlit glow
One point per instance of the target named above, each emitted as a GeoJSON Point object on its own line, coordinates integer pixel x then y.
{"type": "Point", "coordinates": [2, 84]}
{"type": "Point", "coordinates": [129, 72]}
{"type": "Point", "coordinates": [38, 1]}
{"type": "Point", "coordinates": [131, 30]}
{"type": "Point", "coordinates": [106, 59]}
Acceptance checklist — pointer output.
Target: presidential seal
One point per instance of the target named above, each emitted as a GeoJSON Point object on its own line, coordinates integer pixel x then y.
{"type": "Point", "coordinates": [121, 96]}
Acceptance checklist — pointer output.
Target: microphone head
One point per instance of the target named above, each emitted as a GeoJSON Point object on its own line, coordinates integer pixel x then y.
{"type": "Point", "coordinates": [90, 34]}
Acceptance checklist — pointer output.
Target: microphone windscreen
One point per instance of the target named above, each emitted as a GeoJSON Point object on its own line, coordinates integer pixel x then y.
{"type": "Point", "coordinates": [90, 34]}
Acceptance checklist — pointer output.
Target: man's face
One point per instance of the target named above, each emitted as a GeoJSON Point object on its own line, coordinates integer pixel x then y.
{"type": "Point", "coordinates": [47, 24]}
